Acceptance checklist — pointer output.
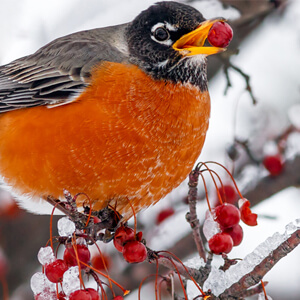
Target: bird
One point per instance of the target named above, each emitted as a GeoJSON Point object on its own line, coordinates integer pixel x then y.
{"type": "Point", "coordinates": [118, 113]}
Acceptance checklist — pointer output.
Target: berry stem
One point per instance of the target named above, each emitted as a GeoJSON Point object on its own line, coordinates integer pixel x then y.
{"type": "Point", "coordinates": [233, 180]}
{"type": "Point", "coordinates": [134, 215]}
{"type": "Point", "coordinates": [125, 292]}
{"type": "Point", "coordinates": [185, 268]}
{"type": "Point", "coordinates": [77, 258]}
{"type": "Point", "coordinates": [264, 290]}
{"type": "Point", "coordinates": [105, 267]}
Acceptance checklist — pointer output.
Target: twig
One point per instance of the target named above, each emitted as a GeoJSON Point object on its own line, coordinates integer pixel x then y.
{"type": "Point", "coordinates": [227, 66]}
{"type": "Point", "coordinates": [192, 215]}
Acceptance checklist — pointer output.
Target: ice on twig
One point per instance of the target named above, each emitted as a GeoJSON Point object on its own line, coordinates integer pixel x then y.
{"type": "Point", "coordinates": [218, 281]}
{"type": "Point", "coordinates": [65, 227]}
{"type": "Point", "coordinates": [210, 227]}
{"type": "Point", "coordinates": [195, 262]}
{"type": "Point", "coordinates": [45, 255]}
{"type": "Point", "coordinates": [40, 284]}
{"type": "Point", "coordinates": [71, 282]}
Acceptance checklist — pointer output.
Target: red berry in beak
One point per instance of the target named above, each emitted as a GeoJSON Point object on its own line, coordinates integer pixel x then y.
{"type": "Point", "coordinates": [220, 35]}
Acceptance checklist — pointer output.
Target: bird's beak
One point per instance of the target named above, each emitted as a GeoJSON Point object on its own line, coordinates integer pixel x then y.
{"type": "Point", "coordinates": [192, 42]}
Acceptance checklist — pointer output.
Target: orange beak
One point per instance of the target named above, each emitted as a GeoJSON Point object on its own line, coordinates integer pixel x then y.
{"type": "Point", "coordinates": [192, 42]}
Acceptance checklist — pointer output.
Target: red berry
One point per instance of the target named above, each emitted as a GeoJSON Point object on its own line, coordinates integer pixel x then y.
{"type": "Point", "coordinates": [274, 164]}
{"type": "Point", "coordinates": [164, 214]}
{"type": "Point", "coordinates": [84, 255]}
{"type": "Point", "coordinates": [228, 193]}
{"type": "Point", "coordinates": [247, 216]}
{"type": "Point", "coordinates": [236, 233]}
{"type": "Point", "coordinates": [134, 252]}
{"type": "Point", "coordinates": [101, 261]}
{"type": "Point", "coordinates": [80, 295]}
{"type": "Point", "coordinates": [94, 294]}
{"type": "Point", "coordinates": [118, 298]}
{"type": "Point", "coordinates": [123, 235]}
{"type": "Point", "coordinates": [62, 296]}
{"type": "Point", "coordinates": [220, 34]}
{"type": "Point", "coordinates": [55, 270]}
{"type": "Point", "coordinates": [220, 243]}
{"type": "Point", "coordinates": [227, 215]}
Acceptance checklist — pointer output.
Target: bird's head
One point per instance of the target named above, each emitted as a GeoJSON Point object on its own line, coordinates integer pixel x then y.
{"type": "Point", "coordinates": [167, 41]}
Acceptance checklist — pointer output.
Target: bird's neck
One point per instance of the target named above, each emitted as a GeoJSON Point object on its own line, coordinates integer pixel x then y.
{"type": "Point", "coordinates": [187, 70]}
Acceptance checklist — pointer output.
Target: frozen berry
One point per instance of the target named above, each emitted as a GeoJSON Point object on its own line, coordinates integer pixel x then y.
{"type": "Point", "coordinates": [55, 270]}
{"type": "Point", "coordinates": [220, 243]}
{"type": "Point", "coordinates": [227, 215]}
{"type": "Point", "coordinates": [236, 233]}
{"type": "Point", "coordinates": [134, 252]}
{"type": "Point", "coordinates": [164, 214]}
{"type": "Point", "coordinates": [247, 216]}
{"type": "Point", "coordinates": [80, 295]}
{"type": "Point", "coordinates": [94, 294]}
{"type": "Point", "coordinates": [228, 193]}
{"type": "Point", "coordinates": [274, 164]}
{"type": "Point", "coordinates": [123, 235]}
{"type": "Point", "coordinates": [83, 252]}
{"type": "Point", "coordinates": [220, 35]}
{"type": "Point", "coordinates": [101, 261]}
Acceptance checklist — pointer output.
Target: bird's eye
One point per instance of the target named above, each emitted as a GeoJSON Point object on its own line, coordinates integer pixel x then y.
{"type": "Point", "coordinates": [161, 34]}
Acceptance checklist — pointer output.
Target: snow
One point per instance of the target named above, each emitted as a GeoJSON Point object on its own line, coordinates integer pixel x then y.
{"type": "Point", "coordinates": [65, 227]}
{"type": "Point", "coordinates": [46, 255]}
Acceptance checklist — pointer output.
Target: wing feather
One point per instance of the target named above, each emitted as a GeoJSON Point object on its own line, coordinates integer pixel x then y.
{"type": "Point", "coordinates": [59, 71]}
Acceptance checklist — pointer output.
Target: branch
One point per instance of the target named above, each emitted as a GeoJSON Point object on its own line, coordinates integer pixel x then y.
{"type": "Point", "coordinates": [260, 270]}
{"type": "Point", "coordinates": [268, 186]}
{"type": "Point", "coordinates": [191, 217]}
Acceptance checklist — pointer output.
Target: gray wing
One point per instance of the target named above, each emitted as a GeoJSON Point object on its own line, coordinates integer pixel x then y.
{"type": "Point", "coordinates": [57, 72]}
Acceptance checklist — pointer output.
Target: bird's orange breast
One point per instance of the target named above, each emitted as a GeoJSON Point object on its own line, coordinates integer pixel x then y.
{"type": "Point", "coordinates": [125, 138]}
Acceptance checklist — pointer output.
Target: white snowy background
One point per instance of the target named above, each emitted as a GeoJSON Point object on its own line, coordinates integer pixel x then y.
{"type": "Point", "coordinates": [270, 55]}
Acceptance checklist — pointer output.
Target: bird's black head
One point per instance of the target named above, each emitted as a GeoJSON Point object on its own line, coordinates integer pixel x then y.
{"type": "Point", "coordinates": [163, 39]}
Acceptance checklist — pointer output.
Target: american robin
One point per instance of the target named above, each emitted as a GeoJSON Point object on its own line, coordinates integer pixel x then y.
{"type": "Point", "coordinates": [119, 113]}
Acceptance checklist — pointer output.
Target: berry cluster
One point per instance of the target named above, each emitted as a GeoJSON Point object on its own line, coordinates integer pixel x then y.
{"type": "Point", "coordinates": [227, 232]}
{"type": "Point", "coordinates": [56, 272]}
{"type": "Point", "coordinates": [129, 243]}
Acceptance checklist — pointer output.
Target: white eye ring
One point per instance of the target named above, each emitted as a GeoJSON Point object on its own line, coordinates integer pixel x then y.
{"type": "Point", "coordinates": [158, 31]}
